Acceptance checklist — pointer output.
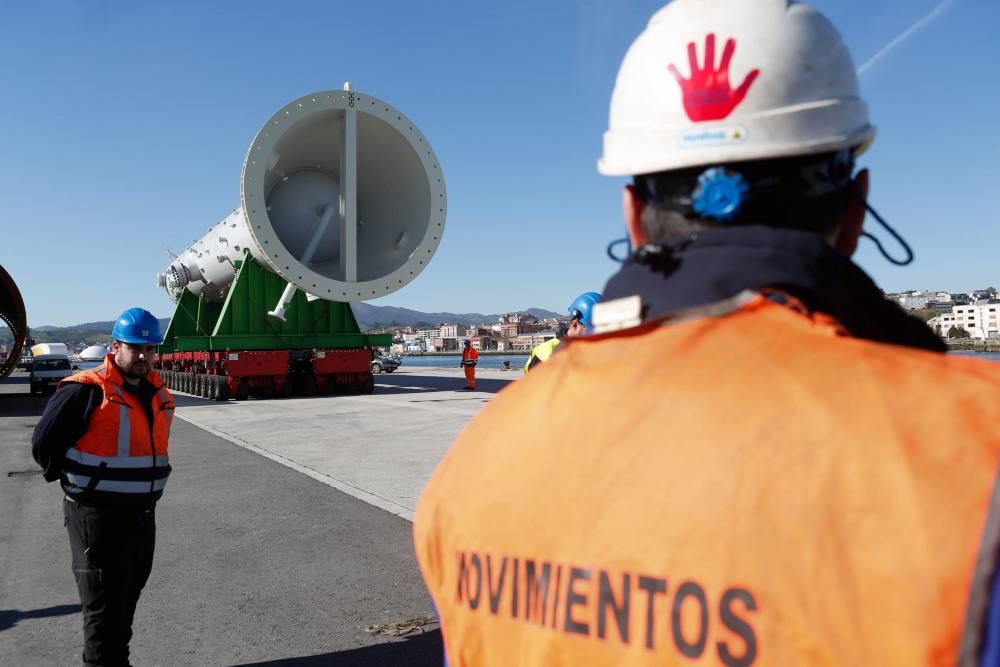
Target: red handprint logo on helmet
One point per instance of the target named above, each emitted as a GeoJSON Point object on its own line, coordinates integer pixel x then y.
{"type": "Point", "coordinates": [707, 95]}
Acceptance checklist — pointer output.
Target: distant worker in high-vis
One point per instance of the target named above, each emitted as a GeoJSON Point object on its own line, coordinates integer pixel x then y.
{"type": "Point", "coordinates": [754, 458]}
{"type": "Point", "coordinates": [104, 435]}
{"type": "Point", "coordinates": [470, 357]}
{"type": "Point", "coordinates": [579, 322]}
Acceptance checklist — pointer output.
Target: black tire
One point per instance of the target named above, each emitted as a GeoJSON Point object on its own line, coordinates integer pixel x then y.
{"type": "Point", "coordinates": [366, 383]}
{"type": "Point", "coordinates": [243, 391]}
{"type": "Point", "coordinates": [288, 388]}
{"type": "Point", "coordinates": [389, 370]}
{"type": "Point", "coordinates": [376, 367]}
{"type": "Point", "coordinates": [309, 385]}
{"type": "Point", "coordinates": [223, 393]}
{"type": "Point", "coordinates": [213, 386]}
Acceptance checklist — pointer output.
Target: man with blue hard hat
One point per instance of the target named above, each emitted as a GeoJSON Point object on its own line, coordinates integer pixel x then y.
{"type": "Point", "coordinates": [104, 435]}
{"type": "Point", "coordinates": [581, 313]}
{"type": "Point", "coordinates": [580, 320]}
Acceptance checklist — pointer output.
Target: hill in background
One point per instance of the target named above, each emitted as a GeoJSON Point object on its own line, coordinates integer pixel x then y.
{"type": "Point", "coordinates": [391, 316]}
{"type": "Point", "coordinates": [368, 316]}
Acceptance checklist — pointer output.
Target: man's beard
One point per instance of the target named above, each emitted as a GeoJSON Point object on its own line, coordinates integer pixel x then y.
{"type": "Point", "coordinates": [131, 372]}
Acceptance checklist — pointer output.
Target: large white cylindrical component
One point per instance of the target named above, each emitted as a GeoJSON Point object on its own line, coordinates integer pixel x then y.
{"type": "Point", "coordinates": [208, 266]}
{"type": "Point", "coordinates": [341, 195]}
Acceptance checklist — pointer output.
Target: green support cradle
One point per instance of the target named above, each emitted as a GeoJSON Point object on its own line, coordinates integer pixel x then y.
{"type": "Point", "coordinates": [241, 321]}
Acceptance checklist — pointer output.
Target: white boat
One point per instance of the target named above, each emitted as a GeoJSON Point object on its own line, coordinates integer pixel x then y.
{"type": "Point", "coordinates": [94, 353]}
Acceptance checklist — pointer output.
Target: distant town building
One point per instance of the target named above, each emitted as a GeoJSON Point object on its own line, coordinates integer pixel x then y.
{"type": "Point", "coordinates": [982, 295]}
{"type": "Point", "coordinates": [452, 330]}
{"type": "Point", "coordinates": [509, 329]}
{"type": "Point", "coordinates": [979, 319]}
{"type": "Point", "coordinates": [476, 331]}
{"type": "Point", "coordinates": [484, 342]}
{"type": "Point", "coordinates": [505, 345]}
{"type": "Point", "coordinates": [940, 306]}
{"type": "Point", "coordinates": [440, 344]}
{"type": "Point", "coordinates": [525, 342]}
{"type": "Point", "coordinates": [915, 300]}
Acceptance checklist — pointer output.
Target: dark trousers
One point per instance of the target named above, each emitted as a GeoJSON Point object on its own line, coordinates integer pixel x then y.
{"type": "Point", "coordinates": [112, 557]}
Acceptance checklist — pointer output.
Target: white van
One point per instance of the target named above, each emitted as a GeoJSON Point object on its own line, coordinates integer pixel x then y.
{"type": "Point", "coordinates": [49, 348]}
{"type": "Point", "coordinates": [47, 370]}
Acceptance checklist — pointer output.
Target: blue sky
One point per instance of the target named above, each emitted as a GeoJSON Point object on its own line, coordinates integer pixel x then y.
{"type": "Point", "coordinates": [126, 125]}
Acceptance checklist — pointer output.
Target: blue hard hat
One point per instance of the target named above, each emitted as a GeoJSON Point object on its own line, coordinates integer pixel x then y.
{"type": "Point", "coordinates": [137, 326]}
{"type": "Point", "coordinates": [582, 306]}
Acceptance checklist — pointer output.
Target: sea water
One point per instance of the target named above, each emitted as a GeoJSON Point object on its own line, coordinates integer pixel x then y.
{"type": "Point", "coordinates": [518, 360]}
{"type": "Point", "coordinates": [452, 361]}
{"type": "Point", "coordinates": [992, 356]}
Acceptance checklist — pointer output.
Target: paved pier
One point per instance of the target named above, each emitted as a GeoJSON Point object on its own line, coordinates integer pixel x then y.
{"type": "Point", "coordinates": [380, 447]}
{"type": "Point", "coordinates": [257, 563]}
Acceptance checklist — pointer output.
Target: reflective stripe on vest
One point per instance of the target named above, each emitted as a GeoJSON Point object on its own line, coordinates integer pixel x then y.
{"type": "Point", "coordinates": [985, 572]}
{"type": "Point", "coordinates": [74, 454]}
{"type": "Point", "coordinates": [164, 399]}
{"type": "Point", "coordinates": [124, 427]}
{"type": "Point", "coordinates": [83, 483]}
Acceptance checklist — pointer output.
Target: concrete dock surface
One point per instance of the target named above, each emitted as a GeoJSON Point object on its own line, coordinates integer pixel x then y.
{"type": "Point", "coordinates": [282, 536]}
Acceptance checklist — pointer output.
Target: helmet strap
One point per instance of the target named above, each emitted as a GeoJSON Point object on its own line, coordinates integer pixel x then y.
{"type": "Point", "coordinates": [615, 256]}
{"type": "Point", "coordinates": [871, 237]}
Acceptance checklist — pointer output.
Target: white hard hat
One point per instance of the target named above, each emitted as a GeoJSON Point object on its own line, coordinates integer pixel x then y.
{"type": "Point", "coordinates": [718, 81]}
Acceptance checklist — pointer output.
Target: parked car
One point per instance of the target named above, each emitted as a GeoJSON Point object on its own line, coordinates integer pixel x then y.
{"type": "Point", "coordinates": [47, 370]}
{"type": "Point", "coordinates": [386, 364]}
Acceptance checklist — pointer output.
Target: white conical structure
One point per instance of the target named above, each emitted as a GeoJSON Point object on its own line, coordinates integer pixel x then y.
{"type": "Point", "coordinates": [341, 195]}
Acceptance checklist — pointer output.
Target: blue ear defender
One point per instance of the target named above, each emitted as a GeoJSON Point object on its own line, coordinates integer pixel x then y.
{"type": "Point", "coordinates": [719, 194]}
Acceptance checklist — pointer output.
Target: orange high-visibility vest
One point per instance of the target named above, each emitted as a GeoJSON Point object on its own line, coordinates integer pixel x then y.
{"type": "Point", "coordinates": [120, 452]}
{"type": "Point", "coordinates": [753, 488]}
{"type": "Point", "coordinates": [470, 356]}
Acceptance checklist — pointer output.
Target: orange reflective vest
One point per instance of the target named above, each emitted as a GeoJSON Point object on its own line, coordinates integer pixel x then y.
{"type": "Point", "coordinates": [751, 488]}
{"type": "Point", "coordinates": [469, 356]}
{"type": "Point", "coordinates": [121, 452]}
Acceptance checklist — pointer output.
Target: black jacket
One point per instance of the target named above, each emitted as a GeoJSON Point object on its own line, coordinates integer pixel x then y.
{"type": "Point", "coordinates": [712, 266]}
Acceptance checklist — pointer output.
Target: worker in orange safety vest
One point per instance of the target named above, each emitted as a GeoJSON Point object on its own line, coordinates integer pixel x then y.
{"type": "Point", "coordinates": [755, 458]}
{"type": "Point", "coordinates": [470, 357]}
{"type": "Point", "coordinates": [104, 436]}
